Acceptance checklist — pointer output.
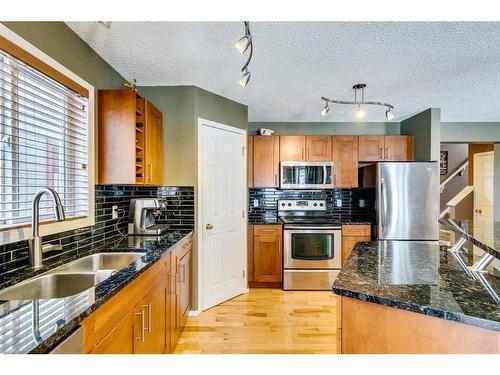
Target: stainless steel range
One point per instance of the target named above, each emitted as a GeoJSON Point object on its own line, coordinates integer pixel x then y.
{"type": "Point", "coordinates": [311, 245]}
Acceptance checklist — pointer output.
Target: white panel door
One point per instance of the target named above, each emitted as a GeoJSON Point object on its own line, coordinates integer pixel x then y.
{"type": "Point", "coordinates": [483, 196]}
{"type": "Point", "coordinates": [223, 225]}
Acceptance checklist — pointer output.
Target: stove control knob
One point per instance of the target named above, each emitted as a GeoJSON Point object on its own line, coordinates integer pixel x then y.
{"type": "Point", "coordinates": [282, 204]}
{"type": "Point", "coordinates": [289, 205]}
{"type": "Point", "coordinates": [321, 204]}
{"type": "Point", "coordinates": [315, 204]}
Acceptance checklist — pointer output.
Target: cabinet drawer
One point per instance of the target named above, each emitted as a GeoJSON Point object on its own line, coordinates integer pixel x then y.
{"type": "Point", "coordinates": [356, 230]}
{"type": "Point", "coordinates": [267, 230]}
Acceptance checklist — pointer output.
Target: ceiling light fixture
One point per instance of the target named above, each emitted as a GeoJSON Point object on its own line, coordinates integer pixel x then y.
{"type": "Point", "coordinates": [242, 46]}
{"type": "Point", "coordinates": [325, 110]}
{"type": "Point", "coordinates": [360, 111]}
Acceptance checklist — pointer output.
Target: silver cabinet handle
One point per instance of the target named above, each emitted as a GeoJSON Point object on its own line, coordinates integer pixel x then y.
{"type": "Point", "coordinates": [141, 337]}
{"type": "Point", "coordinates": [149, 307]}
{"type": "Point", "coordinates": [275, 179]}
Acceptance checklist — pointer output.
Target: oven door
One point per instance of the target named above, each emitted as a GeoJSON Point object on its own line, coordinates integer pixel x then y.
{"type": "Point", "coordinates": [306, 175]}
{"type": "Point", "coordinates": [313, 247]}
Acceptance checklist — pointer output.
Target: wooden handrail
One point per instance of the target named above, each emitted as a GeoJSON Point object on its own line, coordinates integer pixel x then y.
{"type": "Point", "coordinates": [450, 177]}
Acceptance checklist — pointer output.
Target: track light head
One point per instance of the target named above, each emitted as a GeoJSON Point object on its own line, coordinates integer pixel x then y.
{"type": "Point", "coordinates": [243, 44]}
{"type": "Point", "coordinates": [244, 78]}
{"type": "Point", "coordinates": [389, 115]}
{"type": "Point", "coordinates": [325, 110]}
{"type": "Point", "coordinates": [360, 113]}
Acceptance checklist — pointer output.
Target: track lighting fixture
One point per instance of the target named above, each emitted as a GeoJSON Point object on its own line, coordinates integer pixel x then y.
{"type": "Point", "coordinates": [389, 115]}
{"type": "Point", "coordinates": [242, 46]}
{"type": "Point", "coordinates": [359, 87]}
{"type": "Point", "coordinates": [244, 78]}
{"type": "Point", "coordinates": [325, 110]}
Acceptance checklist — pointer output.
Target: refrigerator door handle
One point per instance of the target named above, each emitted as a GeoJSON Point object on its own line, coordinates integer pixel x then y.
{"type": "Point", "coordinates": [383, 204]}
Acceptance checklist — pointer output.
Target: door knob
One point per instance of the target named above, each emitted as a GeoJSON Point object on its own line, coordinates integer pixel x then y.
{"type": "Point", "coordinates": [209, 226]}
{"type": "Point", "coordinates": [478, 211]}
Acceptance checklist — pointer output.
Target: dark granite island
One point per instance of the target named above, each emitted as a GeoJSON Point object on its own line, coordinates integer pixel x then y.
{"type": "Point", "coordinates": [415, 297]}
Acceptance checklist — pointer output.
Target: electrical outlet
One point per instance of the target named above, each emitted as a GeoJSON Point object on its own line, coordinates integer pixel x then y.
{"type": "Point", "coordinates": [256, 203]}
{"type": "Point", "coordinates": [114, 212]}
{"type": "Point", "coordinates": [339, 202]}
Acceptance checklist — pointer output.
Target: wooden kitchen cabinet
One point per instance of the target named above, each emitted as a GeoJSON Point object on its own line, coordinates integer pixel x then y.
{"type": "Point", "coordinates": [153, 145]}
{"type": "Point", "coordinates": [267, 257]}
{"type": "Point", "coordinates": [266, 151]}
{"type": "Point", "coordinates": [121, 339]}
{"type": "Point", "coordinates": [129, 139]}
{"type": "Point", "coordinates": [398, 147]}
{"type": "Point", "coordinates": [292, 147]}
{"type": "Point", "coordinates": [345, 161]}
{"type": "Point", "coordinates": [388, 148]}
{"type": "Point", "coordinates": [318, 147]}
{"type": "Point", "coordinates": [181, 302]}
{"type": "Point", "coordinates": [147, 316]}
{"type": "Point", "coordinates": [371, 147]}
{"type": "Point", "coordinates": [302, 147]}
{"type": "Point", "coordinates": [153, 306]}
{"type": "Point", "coordinates": [351, 234]}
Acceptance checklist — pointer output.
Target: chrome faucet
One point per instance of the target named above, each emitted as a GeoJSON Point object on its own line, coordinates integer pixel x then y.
{"type": "Point", "coordinates": [35, 242]}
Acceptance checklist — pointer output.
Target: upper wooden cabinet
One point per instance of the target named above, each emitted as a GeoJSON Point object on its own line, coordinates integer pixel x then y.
{"type": "Point", "coordinates": [345, 160]}
{"type": "Point", "coordinates": [153, 144]}
{"type": "Point", "coordinates": [266, 155]}
{"type": "Point", "coordinates": [292, 147]}
{"type": "Point", "coordinates": [398, 147]}
{"type": "Point", "coordinates": [318, 147]}
{"type": "Point", "coordinates": [129, 139]}
{"type": "Point", "coordinates": [389, 148]}
{"type": "Point", "coordinates": [302, 147]}
{"type": "Point", "coordinates": [371, 147]}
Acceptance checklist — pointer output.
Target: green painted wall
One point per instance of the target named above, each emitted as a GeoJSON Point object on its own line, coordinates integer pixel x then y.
{"type": "Point", "coordinates": [179, 141]}
{"type": "Point", "coordinates": [469, 132]}
{"type": "Point", "coordinates": [61, 43]}
{"type": "Point", "coordinates": [425, 126]}
{"type": "Point", "coordinates": [181, 107]}
{"type": "Point", "coordinates": [216, 108]}
{"type": "Point", "coordinates": [321, 128]}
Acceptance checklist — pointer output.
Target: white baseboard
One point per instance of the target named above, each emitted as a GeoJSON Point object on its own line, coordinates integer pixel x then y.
{"type": "Point", "coordinates": [194, 312]}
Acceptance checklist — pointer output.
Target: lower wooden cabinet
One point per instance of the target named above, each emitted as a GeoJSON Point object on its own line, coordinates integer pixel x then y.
{"type": "Point", "coordinates": [267, 261]}
{"type": "Point", "coordinates": [351, 234]}
{"type": "Point", "coordinates": [147, 316]}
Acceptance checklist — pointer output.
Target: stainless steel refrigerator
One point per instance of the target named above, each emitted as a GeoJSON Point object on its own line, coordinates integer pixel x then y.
{"type": "Point", "coordinates": [407, 200]}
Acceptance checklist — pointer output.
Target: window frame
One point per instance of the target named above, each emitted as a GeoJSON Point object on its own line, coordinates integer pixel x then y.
{"type": "Point", "coordinates": [69, 79]}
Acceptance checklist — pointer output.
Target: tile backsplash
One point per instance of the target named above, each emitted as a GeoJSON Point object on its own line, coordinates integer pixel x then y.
{"type": "Point", "coordinates": [356, 204]}
{"type": "Point", "coordinates": [179, 214]}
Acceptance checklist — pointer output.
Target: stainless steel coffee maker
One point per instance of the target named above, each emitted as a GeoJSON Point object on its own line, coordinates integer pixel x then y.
{"type": "Point", "coordinates": [143, 215]}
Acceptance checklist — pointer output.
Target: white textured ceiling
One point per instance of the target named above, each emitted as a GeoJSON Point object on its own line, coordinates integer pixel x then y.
{"type": "Point", "coordinates": [412, 65]}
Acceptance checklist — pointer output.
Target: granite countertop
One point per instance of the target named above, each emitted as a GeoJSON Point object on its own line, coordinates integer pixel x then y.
{"type": "Point", "coordinates": [60, 316]}
{"type": "Point", "coordinates": [419, 277]}
{"type": "Point", "coordinates": [486, 236]}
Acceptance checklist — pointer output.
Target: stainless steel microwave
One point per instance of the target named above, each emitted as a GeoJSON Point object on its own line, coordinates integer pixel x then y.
{"type": "Point", "coordinates": [306, 175]}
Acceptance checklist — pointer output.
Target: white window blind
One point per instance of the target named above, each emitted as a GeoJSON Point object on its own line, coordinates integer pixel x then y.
{"type": "Point", "coordinates": [43, 142]}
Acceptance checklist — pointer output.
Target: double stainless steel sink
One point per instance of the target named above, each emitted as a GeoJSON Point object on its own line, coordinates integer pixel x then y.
{"type": "Point", "coordinates": [71, 278]}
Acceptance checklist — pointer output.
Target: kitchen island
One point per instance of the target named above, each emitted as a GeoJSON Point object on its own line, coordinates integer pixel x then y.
{"type": "Point", "coordinates": [414, 297]}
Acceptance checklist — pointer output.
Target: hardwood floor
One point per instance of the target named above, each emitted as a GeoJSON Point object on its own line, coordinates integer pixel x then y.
{"type": "Point", "coordinates": [265, 321]}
